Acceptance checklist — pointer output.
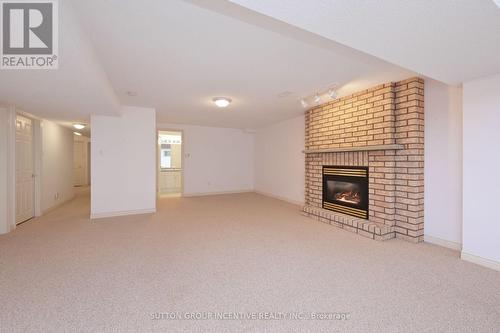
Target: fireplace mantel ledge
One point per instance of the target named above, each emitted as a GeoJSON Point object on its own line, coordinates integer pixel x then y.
{"type": "Point", "coordinates": [344, 149]}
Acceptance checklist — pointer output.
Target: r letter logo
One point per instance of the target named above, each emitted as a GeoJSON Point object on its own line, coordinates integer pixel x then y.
{"type": "Point", "coordinates": [29, 34]}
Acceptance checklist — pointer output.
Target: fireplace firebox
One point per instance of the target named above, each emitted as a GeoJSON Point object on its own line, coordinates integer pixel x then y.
{"type": "Point", "coordinates": [345, 190]}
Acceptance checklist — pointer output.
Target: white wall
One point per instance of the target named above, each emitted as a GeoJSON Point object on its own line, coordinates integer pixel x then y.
{"type": "Point", "coordinates": [279, 160]}
{"type": "Point", "coordinates": [216, 160]}
{"type": "Point", "coordinates": [57, 165]}
{"type": "Point", "coordinates": [123, 163]}
{"type": "Point", "coordinates": [3, 170]}
{"type": "Point", "coordinates": [6, 145]}
{"type": "Point", "coordinates": [481, 162]}
{"type": "Point", "coordinates": [443, 164]}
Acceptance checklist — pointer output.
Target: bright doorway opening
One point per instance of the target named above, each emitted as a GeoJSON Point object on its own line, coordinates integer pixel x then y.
{"type": "Point", "coordinates": [170, 164]}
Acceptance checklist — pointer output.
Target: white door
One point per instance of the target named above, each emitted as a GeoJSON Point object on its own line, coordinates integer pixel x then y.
{"type": "Point", "coordinates": [79, 163]}
{"type": "Point", "coordinates": [24, 170]}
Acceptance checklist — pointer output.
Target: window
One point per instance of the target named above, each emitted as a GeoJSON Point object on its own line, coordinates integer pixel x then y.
{"type": "Point", "coordinates": [169, 150]}
{"type": "Point", "coordinates": [166, 156]}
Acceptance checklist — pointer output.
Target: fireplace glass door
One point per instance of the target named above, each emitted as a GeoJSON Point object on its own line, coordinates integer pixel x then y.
{"type": "Point", "coordinates": [345, 190]}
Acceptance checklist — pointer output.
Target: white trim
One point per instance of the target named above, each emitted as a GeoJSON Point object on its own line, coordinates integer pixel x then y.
{"type": "Point", "coordinates": [37, 153]}
{"type": "Point", "coordinates": [202, 194]}
{"type": "Point", "coordinates": [5, 170]}
{"type": "Point", "coordinates": [294, 202]}
{"type": "Point", "coordinates": [11, 169]}
{"type": "Point", "coordinates": [58, 205]}
{"type": "Point", "coordinates": [480, 261]}
{"type": "Point", "coordinates": [37, 168]}
{"type": "Point", "coordinates": [28, 115]}
{"type": "Point", "coordinates": [122, 213]}
{"type": "Point", "coordinates": [443, 242]}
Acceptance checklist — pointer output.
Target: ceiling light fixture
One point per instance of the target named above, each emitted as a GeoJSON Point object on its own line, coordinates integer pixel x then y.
{"type": "Point", "coordinates": [321, 95]}
{"type": "Point", "coordinates": [333, 93]}
{"type": "Point", "coordinates": [79, 126]}
{"type": "Point", "coordinates": [317, 99]}
{"type": "Point", "coordinates": [221, 102]}
{"type": "Point", "coordinates": [284, 94]}
{"type": "Point", "coordinates": [76, 133]}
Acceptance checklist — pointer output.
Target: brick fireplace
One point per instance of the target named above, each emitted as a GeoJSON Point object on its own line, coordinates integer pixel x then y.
{"type": "Point", "coordinates": [380, 130]}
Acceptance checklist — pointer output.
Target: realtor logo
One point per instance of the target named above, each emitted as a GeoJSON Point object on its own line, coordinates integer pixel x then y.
{"type": "Point", "coordinates": [29, 34]}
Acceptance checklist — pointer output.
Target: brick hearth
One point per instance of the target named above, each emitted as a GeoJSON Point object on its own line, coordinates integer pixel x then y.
{"type": "Point", "coordinates": [381, 128]}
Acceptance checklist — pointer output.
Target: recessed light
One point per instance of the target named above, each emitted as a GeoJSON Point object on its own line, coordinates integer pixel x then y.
{"type": "Point", "coordinates": [221, 102]}
{"type": "Point", "coordinates": [79, 126]}
{"type": "Point", "coordinates": [284, 94]}
{"type": "Point", "coordinates": [76, 133]}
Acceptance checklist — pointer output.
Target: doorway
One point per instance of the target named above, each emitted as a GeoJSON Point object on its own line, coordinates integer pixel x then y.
{"type": "Point", "coordinates": [25, 174]}
{"type": "Point", "coordinates": [170, 175]}
{"type": "Point", "coordinates": [81, 156]}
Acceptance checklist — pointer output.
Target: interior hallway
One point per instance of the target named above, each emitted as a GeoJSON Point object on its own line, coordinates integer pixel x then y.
{"type": "Point", "coordinates": [62, 272]}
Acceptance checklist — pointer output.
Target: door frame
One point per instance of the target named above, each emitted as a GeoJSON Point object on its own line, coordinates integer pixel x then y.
{"type": "Point", "coordinates": [86, 144]}
{"type": "Point", "coordinates": [11, 169]}
{"type": "Point", "coordinates": [157, 166]}
{"type": "Point", "coordinates": [37, 162]}
{"type": "Point", "coordinates": [10, 216]}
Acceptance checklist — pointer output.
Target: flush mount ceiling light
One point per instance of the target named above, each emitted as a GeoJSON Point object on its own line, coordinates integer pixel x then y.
{"type": "Point", "coordinates": [221, 102]}
{"type": "Point", "coordinates": [76, 133]}
{"type": "Point", "coordinates": [79, 126]}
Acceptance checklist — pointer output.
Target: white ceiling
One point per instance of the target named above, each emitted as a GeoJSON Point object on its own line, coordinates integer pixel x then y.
{"type": "Point", "coordinates": [177, 55]}
{"type": "Point", "coordinates": [448, 40]}
{"type": "Point", "coordinates": [78, 88]}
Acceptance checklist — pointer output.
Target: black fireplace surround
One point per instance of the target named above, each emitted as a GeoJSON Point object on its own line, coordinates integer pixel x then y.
{"type": "Point", "coordinates": [345, 190]}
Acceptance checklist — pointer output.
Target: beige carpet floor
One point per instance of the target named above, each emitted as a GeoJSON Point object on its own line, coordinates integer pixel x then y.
{"type": "Point", "coordinates": [241, 253]}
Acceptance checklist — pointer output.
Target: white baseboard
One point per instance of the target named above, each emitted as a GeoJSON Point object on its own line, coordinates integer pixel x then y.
{"type": "Point", "coordinates": [59, 204]}
{"type": "Point", "coordinates": [202, 194]}
{"type": "Point", "coordinates": [94, 216]}
{"type": "Point", "coordinates": [442, 242]}
{"type": "Point", "coordinates": [299, 203]}
{"type": "Point", "coordinates": [480, 261]}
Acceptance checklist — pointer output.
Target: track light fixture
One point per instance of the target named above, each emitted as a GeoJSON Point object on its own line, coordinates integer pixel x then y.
{"type": "Point", "coordinates": [317, 99]}
{"type": "Point", "coordinates": [322, 95]}
{"type": "Point", "coordinates": [333, 93]}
